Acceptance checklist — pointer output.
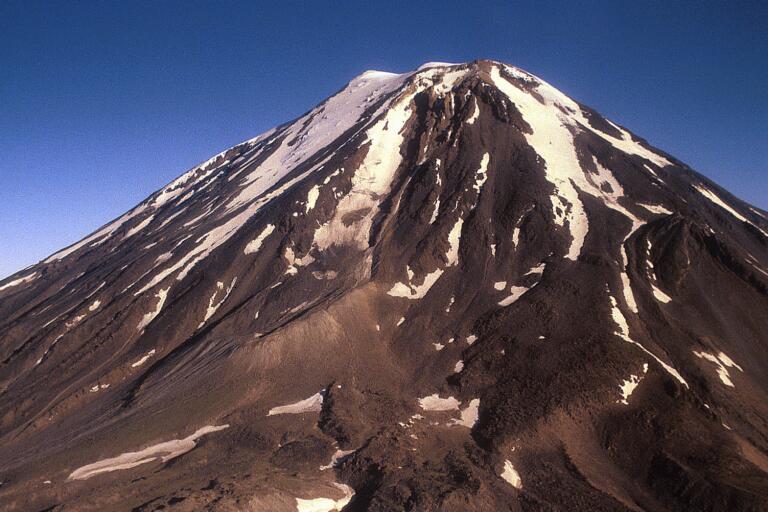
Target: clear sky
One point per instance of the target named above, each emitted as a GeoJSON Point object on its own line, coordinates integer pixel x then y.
{"type": "Point", "coordinates": [102, 103]}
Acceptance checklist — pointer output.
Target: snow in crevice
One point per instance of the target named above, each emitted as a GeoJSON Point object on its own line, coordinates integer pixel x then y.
{"type": "Point", "coordinates": [326, 504]}
{"type": "Point", "coordinates": [165, 451]}
{"type": "Point", "coordinates": [628, 386]}
{"type": "Point", "coordinates": [217, 236]}
{"type": "Point", "coordinates": [148, 317]}
{"type": "Point", "coordinates": [255, 244]}
{"type": "Point", "coordinates": [475, 111]}
{"type": "Point", "coordinates": [714, 198]}
{"type": "Point", "coordinates": [510, 474]}
{"type": "Point", "coordinates": [655, 208]}
{"type": "Point", "coordinates": [723, 362]}
{"type": "Point", "coordinates": [515, 292]}
{"type": "Point", "coordinates": [372, 180]}
{"type": "Point", "coordinates": [143, 359]}
{"type": "Point", "coordinates": [337, 458]}
{"type": "Point", "coordinates": [99, 236]}
{"type": "Point", "coordinates": [21, 280]}
{"type": "Point", "coordinates": [623, 333]}
{"type": "Point", "coordinates": [312, 404]}
{"type": "Point", "coordinates": [652, 278]}
{"type": "Point", "coordinates": [409, 290]}
{"type": "Point", "coordinates": [312, 196]}
{"type": "Point", "coordinates": [435, 403]}
{"type": "Point", "coordinates": [469, 415]}
{"type": "Point", "coordinates": [317, 129]}
{"type": "Point", "coordinates": [575, 117]}
{"type": "Point", "coordinates": [214, 306]}
{"type": "Point", "coordinates": [554, 120]}
{"type": "Point", "coordinates": [660, 295]}
{"type": "Point", "coordinates": [553, 142]}
{"type": "Point", "coordinates": [98, 387]}
{"type": "Point", "coordinates": [437, 187]}
{"type": "Point", "coordinates": [454, 241]}
{"type": "Point", "coordinates": [294, 262]}
{"type": "Point", "coordinates": [141, 225]}
{"type": "Point", "coordinates": [481, 176]}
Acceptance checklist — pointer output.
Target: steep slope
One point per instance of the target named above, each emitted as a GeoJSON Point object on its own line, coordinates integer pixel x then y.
{"type": "Point", "coordinates": [451, 289]}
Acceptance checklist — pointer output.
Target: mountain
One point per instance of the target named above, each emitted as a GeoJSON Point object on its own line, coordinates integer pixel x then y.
{"type": "Point", "coordinates": [453, 289]}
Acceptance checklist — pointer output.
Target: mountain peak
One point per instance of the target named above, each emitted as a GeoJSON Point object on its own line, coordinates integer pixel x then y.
{"type": "Point", "coordinates": [388, 283]}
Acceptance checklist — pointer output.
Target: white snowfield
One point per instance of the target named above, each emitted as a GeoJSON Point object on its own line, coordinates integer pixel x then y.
{"type": "Point", "coordinates": [311, 404]}
{"type": "Point", "coordinates": [553, 121]}
{"type": "Point", "coordinates": [389, 105]}
{"type": "Point", "coordinates": [164, 451]}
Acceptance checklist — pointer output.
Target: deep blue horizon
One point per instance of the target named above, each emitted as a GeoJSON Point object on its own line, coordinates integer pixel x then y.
{"type": "Point", "coordinates": [104, 103]}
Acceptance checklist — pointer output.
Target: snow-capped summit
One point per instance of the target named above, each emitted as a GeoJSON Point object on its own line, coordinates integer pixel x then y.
{"type": "Point", "coordinates": [454, 288]}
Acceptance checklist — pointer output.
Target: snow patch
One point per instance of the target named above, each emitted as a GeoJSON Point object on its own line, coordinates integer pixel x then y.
{"type": "Point", "coordinates": [435, 403]}
{"type": "Point", "coordinates": [311, 404]}
{"type": "Point", "coordinates": [511, 475]}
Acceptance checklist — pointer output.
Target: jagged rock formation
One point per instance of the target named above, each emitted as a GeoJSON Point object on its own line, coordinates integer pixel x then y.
{"type": "Point", "coordinates": [451, 289]}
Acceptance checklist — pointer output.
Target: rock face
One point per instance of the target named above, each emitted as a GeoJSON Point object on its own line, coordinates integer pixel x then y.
{"type": "Point", "coordinates": [454, 289]}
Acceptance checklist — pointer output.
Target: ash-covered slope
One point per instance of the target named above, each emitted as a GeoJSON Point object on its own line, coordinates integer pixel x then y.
{"type": "Point", "coordinates": [451, 289]}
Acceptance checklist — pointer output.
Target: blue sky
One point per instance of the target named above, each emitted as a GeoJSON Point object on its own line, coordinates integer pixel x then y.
{"type": "Point", "coordinates": [102, 103]}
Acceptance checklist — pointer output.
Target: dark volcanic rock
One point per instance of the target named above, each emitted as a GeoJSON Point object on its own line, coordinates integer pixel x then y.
{"type": "Point", "coordinates": [453, 289]}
